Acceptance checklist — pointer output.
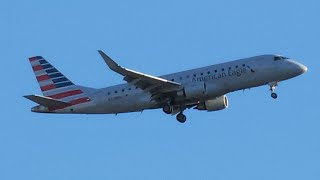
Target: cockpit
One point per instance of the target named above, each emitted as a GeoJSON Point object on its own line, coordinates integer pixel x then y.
{"type": "Point", "coordinates": [278, 58]}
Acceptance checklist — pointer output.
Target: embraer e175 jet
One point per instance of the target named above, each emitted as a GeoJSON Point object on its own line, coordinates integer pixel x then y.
{"type": "Point", "coordinates": [202, 89]}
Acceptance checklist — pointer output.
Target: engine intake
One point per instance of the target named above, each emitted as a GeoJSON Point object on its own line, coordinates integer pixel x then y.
{"type": "Point", "coordinates": [216, 104]}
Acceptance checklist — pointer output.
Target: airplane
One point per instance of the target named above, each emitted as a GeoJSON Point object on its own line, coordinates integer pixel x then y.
{"type": "Point", "coordinates": [202, 89]}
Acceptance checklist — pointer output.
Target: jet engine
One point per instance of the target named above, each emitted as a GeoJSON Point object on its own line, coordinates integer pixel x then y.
{"type": "Point", "coordinates": [216, 104]}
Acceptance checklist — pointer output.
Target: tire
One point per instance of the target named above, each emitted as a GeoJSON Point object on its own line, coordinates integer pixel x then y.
{"type": "Point", "coordinates": [167, 109]}
{"type": "Point", "coordinates": [181, 118]}
{"type": "Point", "coordinates": [274, 95]}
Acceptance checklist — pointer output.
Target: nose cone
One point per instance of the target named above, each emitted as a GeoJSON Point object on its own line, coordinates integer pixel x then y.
{"type": "Point", "coordinates": [301, 68]}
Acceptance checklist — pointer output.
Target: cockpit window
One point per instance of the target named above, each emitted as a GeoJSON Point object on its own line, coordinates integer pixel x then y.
{"type": "Point", "coordinates": [277, 58]}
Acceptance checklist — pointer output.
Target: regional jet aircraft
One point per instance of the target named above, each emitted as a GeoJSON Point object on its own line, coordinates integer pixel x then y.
{"type": "Point", "coordinates": [202, 89]}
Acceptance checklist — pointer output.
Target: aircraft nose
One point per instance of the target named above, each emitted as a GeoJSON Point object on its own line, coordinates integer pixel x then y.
{"type": "Point", "coordinates": [299, 68]}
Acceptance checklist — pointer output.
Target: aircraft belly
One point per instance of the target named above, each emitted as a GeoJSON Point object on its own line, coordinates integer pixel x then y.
{"type": "Point", "coordinates": [130, 103]}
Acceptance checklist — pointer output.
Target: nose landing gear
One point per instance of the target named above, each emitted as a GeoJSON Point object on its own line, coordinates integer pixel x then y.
{"type": "Point", "coordinates": [272, 89]}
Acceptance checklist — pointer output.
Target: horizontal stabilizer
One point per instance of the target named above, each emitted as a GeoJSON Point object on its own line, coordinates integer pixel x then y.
{"type": "Point", "coordinates": [46, 101]}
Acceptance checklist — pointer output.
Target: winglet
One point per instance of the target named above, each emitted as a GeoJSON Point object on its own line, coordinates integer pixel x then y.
{"type": "Point", "coordinates": [112, 65]}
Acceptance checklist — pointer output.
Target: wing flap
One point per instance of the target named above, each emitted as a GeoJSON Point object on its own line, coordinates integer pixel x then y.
{"type": "Point", "coordinates": [46, 101]}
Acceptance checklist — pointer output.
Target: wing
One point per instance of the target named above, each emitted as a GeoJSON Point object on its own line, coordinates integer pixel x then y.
{"type": "Point", "coordinates": [152, 84]}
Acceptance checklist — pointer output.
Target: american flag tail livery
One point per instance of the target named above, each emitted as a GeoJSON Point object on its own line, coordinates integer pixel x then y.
{"type": "Point", "coordinates": [58, 91]}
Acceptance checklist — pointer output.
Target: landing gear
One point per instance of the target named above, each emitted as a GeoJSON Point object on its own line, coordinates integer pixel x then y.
{"type": "Point", "coordinates": [167, 109]}
{"type": "Point", "coordinates": [181, 118]}
{"type": "Point", "coordinates": [274, 95]}
{"type": "Point", "coordinates": [174, 109]}
{"type": "Point", "coordinates": [272, 89]}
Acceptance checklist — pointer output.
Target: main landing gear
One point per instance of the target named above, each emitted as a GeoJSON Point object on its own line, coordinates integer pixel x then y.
{"type": "Point", "coordinates": [181, 117]}
{"type": "Point", "coordinates": [168, 109]}
{"type": "Point", "coordinates": [272, 89]}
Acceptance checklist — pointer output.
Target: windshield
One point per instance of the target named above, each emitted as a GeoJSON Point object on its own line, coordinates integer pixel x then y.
{"type": "Point", "coordinates": [277, 58]}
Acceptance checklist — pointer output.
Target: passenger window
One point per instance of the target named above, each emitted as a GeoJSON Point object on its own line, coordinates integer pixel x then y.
{"type": "Point", "coordinates": [172, 79]}
{"type": "Point", "coordinates": [215, 71]}
{"type": "Point", "coordinates": [222, 69]}
{"type": "Point", "coordinates": [188, 76]}
{"type": "Point", "coordinates": [229, 68]}
{"type": "Point", "coordinates": [194, 75]}
{"type": "Point", "coordinates": [129, 89]}
{"type": "Point", "coordinates": [108, 93]}
{"type": "Point", "coordinates": [116, 92]}
{"type": "Point", "coordinates": [208, 72]}
{"type": "Point", "coordinates": [201, 74]}
{"type": "Point", "coordinates": [243, 65]}
{"type": "Point", "coordinates": [122, 90]}
{"type": "Point", "coordinates": [237, 66]}
{"type": "Point", "coordinates": [180, 78]}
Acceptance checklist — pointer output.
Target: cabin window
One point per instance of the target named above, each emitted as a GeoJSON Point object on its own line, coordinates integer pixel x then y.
{"type": "Point", "coordinates": [122, 90]}
{"type": "Point", "coordinates": [201, 74]}
{"type": "Point", "coordinates": [188, 76]}
{"type": "Point", "coordinates": [129, 89]}
{"type": "Point", "coordinates": [215, 71]}
{"type": "Point", "coordinates": [172, 79]}
{"type": "Point", "coordinates": [229, 68]}
{"type": "Point", "coordinates": [243, 65]}
{"type": "Point", "coordinates": [222, 69]}
{"type": "Point", "coordinates": [194, 75]}
{"type": "Point", "coordinates": [237, 66]}
{"type": "Point", "coordinates": [116, 92]}
{"type": "Point", "coordinates": [208, 72]}
{"type": "Point", "coordinates": [180, 78]}
{"type": "Point", "coordinates": [108, 93]}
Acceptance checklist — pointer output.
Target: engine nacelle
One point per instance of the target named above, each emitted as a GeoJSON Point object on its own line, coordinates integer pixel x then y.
{"type": "Point", "coordinates": [194, 90]}
{"type": "Point", "coordinates": [216, 104]}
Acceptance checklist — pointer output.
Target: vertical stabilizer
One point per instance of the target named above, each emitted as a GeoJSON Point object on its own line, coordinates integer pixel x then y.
{"type": "Point", "coordinates": [54, 84]}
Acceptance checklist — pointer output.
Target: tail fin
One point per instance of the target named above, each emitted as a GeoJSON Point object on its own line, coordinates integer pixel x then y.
{"type": "Point", "coordinates": [54, 84]}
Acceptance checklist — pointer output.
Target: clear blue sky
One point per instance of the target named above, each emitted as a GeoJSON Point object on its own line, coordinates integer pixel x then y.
{"type": "Point", "coordinates": [255, 138]}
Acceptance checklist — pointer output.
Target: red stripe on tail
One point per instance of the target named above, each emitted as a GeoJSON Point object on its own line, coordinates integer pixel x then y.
{"type": "Point", "coordinates": [37, 68]}
{"type": "Point", "coordinates": [43, 77]}
{"type": "Point", "coordinates": [33, 59]}
{"type": "Point", "coordinates": [79, 101]}
{"type": "Point", "coordinates": [48, 87]}
{"type": "Point", "coordinates": [66, 94]}
{"type": "Point", "coordinates": [72, 103]}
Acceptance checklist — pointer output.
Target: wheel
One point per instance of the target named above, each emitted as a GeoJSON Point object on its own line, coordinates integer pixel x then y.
{"type": "Point", "coordinates": [167, 109]}
{"type": "Point", "coordinates": [181, 118]}
{"type": "Point", "coordinates": [274, 95]}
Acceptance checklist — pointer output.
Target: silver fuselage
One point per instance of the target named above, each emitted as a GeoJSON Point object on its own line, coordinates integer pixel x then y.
{"type": "Point", "coordinates": [219, 79]}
